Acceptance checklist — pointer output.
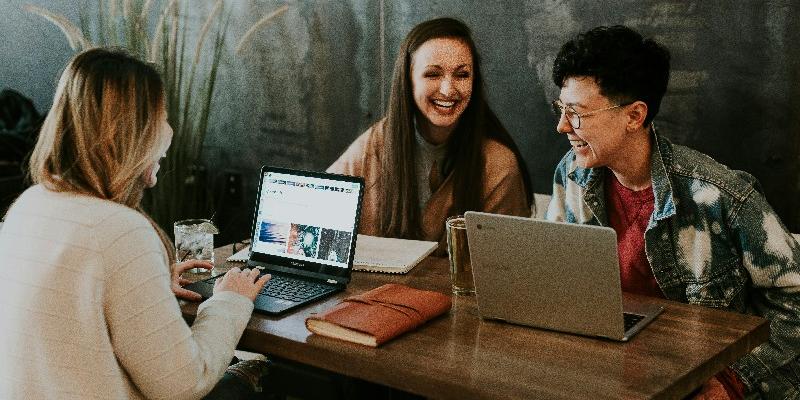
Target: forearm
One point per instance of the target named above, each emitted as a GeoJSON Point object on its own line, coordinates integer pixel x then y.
{"type": "Point", "coordinates": [166, 358]}
{"type": "Point", "coordinates": [778, 306]}
{"type": "Point", "coordinates": [216, 331]}
{"type": "Point", "coordinates": [509, 199]}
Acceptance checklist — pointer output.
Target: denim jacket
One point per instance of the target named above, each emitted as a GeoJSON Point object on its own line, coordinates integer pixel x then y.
{"type": "Point", "coordinates": [712, 240]}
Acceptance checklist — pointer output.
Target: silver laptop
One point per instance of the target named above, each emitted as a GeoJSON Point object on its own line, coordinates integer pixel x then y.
{"type": "Point", "coordinates": [563, 277]}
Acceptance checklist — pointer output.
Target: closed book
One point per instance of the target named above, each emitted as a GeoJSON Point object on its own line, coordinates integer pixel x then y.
{"type": "Point", "coordinates": [375, 317]}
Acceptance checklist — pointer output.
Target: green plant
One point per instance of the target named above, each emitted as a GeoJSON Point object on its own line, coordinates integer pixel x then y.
{"type": "Point", "coordinates": [189, 77]}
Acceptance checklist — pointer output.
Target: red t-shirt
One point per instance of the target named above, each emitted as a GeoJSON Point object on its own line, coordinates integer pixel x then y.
{"type": "Point", "coordinates": [628, 213]}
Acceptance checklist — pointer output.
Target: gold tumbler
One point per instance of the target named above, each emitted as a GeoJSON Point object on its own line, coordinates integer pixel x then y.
{"type": "Point", "coordinates": [458, 252]}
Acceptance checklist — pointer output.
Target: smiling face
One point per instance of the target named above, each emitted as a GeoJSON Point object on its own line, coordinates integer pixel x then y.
{"type": "Point", "coordinates": [601, 141]}
{"type": "Point", "coordinates": [441, 77]}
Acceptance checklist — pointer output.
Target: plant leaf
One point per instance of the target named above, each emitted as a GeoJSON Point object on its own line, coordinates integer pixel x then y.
{"type": "Point", "coordinates": [253, 29]}
{"type": "Point", "coordinates": [155, 45]}
{"type": "Point", "coordinates": [204, 29]}
{"type": "Point", "coordinates": [74, 36]}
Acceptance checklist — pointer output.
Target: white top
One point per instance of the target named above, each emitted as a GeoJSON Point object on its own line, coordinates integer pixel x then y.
{"type": "Point", "coordinates": [86, 309]}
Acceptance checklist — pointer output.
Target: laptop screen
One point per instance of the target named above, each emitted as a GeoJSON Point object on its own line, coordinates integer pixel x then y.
{"type": "Point", "coordinates": [308, 220]}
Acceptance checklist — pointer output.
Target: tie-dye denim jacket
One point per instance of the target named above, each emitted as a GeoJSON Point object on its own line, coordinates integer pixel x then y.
{"type": "Point", "coordinates": [712, 240]}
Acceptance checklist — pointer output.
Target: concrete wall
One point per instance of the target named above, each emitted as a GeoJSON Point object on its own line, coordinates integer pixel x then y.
{"type": "Point", "coordinates": [32, 51]}
{"type": "Point", "coordinates": [319, 75]}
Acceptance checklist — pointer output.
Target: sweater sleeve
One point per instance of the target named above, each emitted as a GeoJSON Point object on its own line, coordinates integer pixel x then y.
{"type": "Point", "coordinates": [505, 189]}
{"type": "Point", "coordinates": [352, 161]}
{"type": "Point", "coordinates": [154, 345]}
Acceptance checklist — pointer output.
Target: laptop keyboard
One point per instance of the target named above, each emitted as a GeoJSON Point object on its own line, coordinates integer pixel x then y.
{"type": "Point", "coordinates": [291, 289]}
{"type": "Point", "coordinates": [631, 320]}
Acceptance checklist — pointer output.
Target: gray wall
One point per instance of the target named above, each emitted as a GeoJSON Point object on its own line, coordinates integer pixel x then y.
{"type": "Point", "coordinates": [319, 75]}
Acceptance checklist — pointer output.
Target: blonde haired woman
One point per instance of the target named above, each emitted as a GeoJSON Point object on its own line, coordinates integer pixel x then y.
{"type": "Point", "coordinates": [87, 300]}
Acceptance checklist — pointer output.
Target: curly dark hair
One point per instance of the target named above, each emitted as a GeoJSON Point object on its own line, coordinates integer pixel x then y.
{"type": "Point", "coordinates": [626, 66]}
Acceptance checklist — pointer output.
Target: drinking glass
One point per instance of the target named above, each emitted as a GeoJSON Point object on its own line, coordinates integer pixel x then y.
{"type": "Point", "coordinates": [458, 253]}
{"type": "Point", "coordinates": [194, 240]}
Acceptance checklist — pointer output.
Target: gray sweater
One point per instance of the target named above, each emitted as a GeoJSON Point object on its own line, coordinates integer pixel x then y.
{"type": "Point", "coordinates": [426, 154]}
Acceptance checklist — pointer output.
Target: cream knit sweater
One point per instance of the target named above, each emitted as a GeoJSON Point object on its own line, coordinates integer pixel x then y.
{"type": "Point", "coordinates": [86, 309]}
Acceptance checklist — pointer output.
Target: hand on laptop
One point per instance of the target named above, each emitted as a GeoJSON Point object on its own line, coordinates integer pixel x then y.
{"type": "Point", "coordinates": [245, 282]}
{"type": "Point", "coordinates": [178, 281]}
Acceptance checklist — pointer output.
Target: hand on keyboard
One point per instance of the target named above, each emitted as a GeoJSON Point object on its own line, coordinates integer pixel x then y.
{"type": "Point", "coordinates": [178, 281]}
{"type": "Point", "coordinates": [245, 282]}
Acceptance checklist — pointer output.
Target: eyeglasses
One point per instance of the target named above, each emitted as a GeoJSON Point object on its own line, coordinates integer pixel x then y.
{"type": "Point", "coordinates": [573, 117]}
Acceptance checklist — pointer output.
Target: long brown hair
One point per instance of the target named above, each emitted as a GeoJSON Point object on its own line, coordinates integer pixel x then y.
{"type": "Point", "coordinates": [464, 158]}
{"type": "Point", "coordinates": [103, 131]}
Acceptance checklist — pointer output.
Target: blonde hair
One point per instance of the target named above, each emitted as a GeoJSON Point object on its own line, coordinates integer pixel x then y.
{"type": "Point", "coordinates": [104, 130]}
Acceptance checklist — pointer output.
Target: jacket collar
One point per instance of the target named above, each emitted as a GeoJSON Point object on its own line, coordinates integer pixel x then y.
{"type": "Point", "coordinates": [660, 165]}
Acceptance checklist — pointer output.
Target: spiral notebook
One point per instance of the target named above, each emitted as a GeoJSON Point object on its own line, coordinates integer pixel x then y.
{"type": "Point", "coordinates": [378, 254]}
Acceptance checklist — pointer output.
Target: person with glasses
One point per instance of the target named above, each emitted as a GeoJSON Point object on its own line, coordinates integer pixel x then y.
{"type": "Point", "coordinates": [440, 150]}
{"type": "Point", "coordinates": [688, 228]}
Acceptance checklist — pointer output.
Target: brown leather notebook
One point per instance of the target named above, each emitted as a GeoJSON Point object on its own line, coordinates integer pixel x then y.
{"type": "Point", "coordinates": [375, 317]}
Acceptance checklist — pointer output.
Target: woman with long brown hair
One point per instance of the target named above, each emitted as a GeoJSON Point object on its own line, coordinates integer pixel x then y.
{"type": "Point", "coordinates": [88, 297]}
{"type": "Point", "coordinates": [439, 150]}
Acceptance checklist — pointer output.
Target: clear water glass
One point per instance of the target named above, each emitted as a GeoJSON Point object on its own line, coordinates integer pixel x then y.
{"type": "Point", "coordinates": [194, 240]}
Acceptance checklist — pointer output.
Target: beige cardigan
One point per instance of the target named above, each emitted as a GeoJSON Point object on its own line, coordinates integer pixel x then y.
{"type": "Point", "coordinates": [503, 190]}
{"type": "Point", "coordinates": [86, 310]}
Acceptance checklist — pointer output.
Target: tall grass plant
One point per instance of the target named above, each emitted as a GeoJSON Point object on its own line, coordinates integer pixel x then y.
{"type": "Point", "coordinates": [190, 77]}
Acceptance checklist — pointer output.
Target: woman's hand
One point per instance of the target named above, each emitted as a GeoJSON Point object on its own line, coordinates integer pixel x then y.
{"type": "Point", "coordinates": [178, 281]}
{"type": "Point", "coordinates": [245, 282]}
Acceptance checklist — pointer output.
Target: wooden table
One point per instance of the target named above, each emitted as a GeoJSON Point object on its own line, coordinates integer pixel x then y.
{"type": "Point", "coordinates": [460, 356]}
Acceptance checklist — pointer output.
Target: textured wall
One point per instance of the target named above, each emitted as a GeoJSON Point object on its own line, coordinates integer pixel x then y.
{"type": "Point", "coordinates": [32, 52]}
{"type": "Point", "coordinates": [319, 75]}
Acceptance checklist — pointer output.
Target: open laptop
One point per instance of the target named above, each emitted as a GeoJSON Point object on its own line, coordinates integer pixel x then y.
{"type": "Point", "coordinates": [304, 234]}
{"type": "Point", "coordinates": [552, 275]}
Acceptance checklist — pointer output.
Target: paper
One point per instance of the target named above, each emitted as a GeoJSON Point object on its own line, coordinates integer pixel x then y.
{"type": "Point", "coordinates": [241, 256]}
{"type": "Point", "coordinates": [379, 254]}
